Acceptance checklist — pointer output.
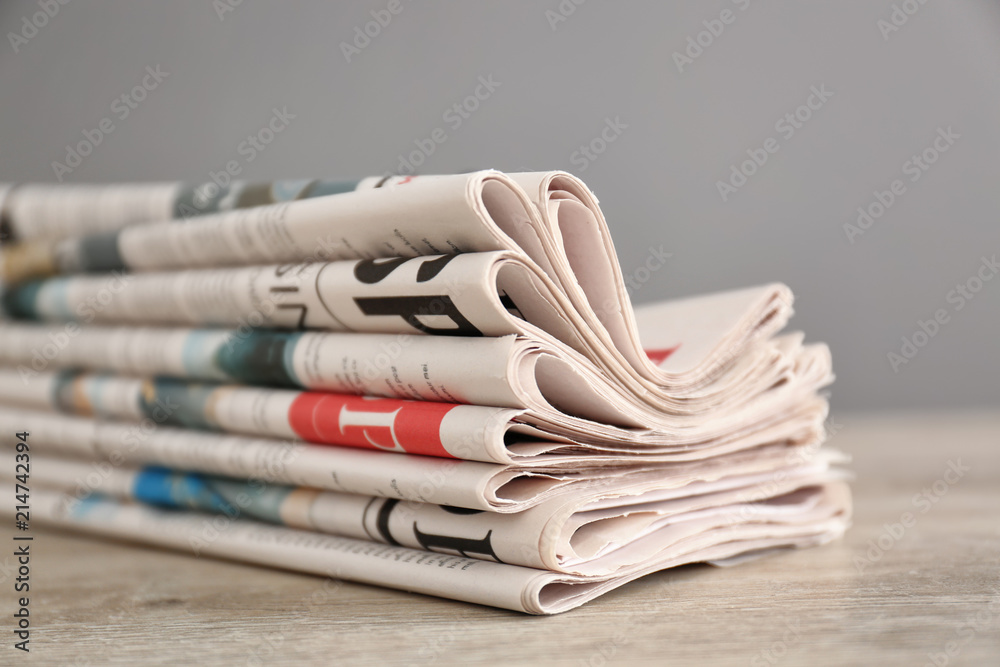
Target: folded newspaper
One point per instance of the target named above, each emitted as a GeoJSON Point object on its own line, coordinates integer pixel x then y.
{"type": "Point", "coordinates": [432, 383]}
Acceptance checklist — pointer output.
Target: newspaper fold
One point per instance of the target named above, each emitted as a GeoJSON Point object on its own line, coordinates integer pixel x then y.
{"type": "Point", "coordinates": [547, 372]}
{"type": "Point", "coordinates": [470, 580]}
{"type": "Point", "coordinates": [48, 212]}
{"type": "Point", "coordinates": [433, 383]}
{"type": "Point", "coordinates": [613, 536]}
{"type": "Point", "coordinates": [541, 419]}
{"type": "Point", "coordinates": [555, 230]}
{"type": "Point", "coordinates": [428, 479]}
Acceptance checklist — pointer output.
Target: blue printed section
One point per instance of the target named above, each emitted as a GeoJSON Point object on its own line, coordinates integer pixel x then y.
{"type": "Point", "coordinates": [163, 487]}
{"type": "Point", "coordinates": [93, 507]}
{"type": "Point", "coordinates": [154, 486]}
{"type": "Point", "coordinates": [166, 488]}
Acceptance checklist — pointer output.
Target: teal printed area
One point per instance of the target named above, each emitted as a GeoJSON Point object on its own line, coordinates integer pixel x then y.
{"type": "Point", "coordinates": [261, 357]}
{"type": "Point", "coordinates": [200, 200]}
{"type": "Point", "coordinates": [178, 403]}
{"type": "Point", "coordinates": [185, 491]}
{"type": "Point", "coordinates": [323, 188]}
{"type": "Point", "coordinates": [265, 499]}
{"type": "Point", "coordinates": [94, 507]}
{"type": "Point", "coordinates": [38, 300]}
{"type": "Point", "coordinates": [200, 351]}
{"type": "Point", "coordinates": [52, 301]}
{"type": "Point", "coordinates": [208, 198]}
{"type": "Point", "coordinates": [20, 301]}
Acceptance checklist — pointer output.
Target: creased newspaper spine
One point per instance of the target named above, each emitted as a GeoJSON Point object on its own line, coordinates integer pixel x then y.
{"type": "Point", "coordinates": [443, 575]}
{"type": "Point", "coordinates": [562, 536]}
{"type": "Point", "coordinates": [475, 433]}
{"type": "Point", "coordinates": [455, 577]}
{"type": "Point", "coordinates": [430, 216]}
{"type": "Point", "coordinates": [502, 372]}
{"type": "Point", "coordinates": [402, 366]}
{"type": "Point", "coordinates": [469, 484]}
{"type": "Point", "coordinates": [733, 411]}
{"type": "Point", "coordinates": [53, 212]}
{"type": "Point", "coordinates": [559, 229]}
{"type": "Point", "coordinates": [33, 212]}
{"type": "Point", "coordinates": [431, 308]}
{"type": "Point", "coordinates": [427, 428]}
{"type": "Point", "coordinates": [448, 294]}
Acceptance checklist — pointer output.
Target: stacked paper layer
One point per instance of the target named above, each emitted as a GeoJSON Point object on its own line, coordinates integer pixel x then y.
{"type": "Point", "coordinates": [431, 383]}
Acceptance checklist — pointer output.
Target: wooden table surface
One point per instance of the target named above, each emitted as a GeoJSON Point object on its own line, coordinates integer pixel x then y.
{"type": "Point", "coordinates": [926, 593]}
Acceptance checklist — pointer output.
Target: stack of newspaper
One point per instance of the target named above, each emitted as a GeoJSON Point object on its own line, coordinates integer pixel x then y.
{"type": "Point", "coordinates": [432, 383]}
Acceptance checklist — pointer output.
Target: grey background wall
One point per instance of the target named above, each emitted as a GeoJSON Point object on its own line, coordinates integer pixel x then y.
{"type": "Point", "coordinates": [681, 126]}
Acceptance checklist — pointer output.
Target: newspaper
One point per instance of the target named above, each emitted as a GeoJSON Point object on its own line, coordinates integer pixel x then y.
{"type": "Point", "coordinates": [53, 212]}
{"type": "Point", "coordinates": [555, 229]}
{"type": "Point", "coordinates": [470, 432]}
{"type": "Point", "coordinates": [460, 483]}
{"type": "Point", "coordinates": [239, 297]}
{"type": "Point", "coordinates": [426, 368]}
{"type": "Point", "coordinates": [576, 537]}
{"type": "Point", "coordinates": [472, 295]}
{"type": "Point", "coordinates": [397, 374]}
{"type": "Point", "coordinates": [501, 585]}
